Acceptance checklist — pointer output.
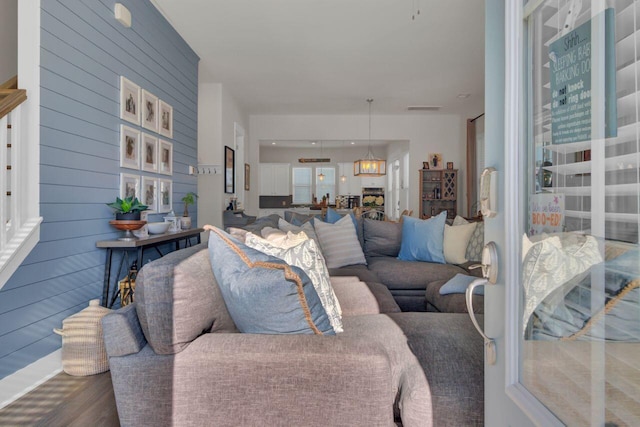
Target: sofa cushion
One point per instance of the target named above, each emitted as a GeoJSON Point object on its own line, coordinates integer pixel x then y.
{"type": "Point", "coordinates": [398, 274]}
{"type": "Point", "coordinates": [264, 294]}
{"type": "Point", "coordinates": [456, 240]}
{"type": "Point", "coordinates": [450, 303]}
{"type": "Point", "coordinates": [382, 238]}
{"type": "Point", "coordinates": [296, 218]}
{"type": "Point", "coordinates": [422, 240]}
{"type": "Point", "coordinates": [306, 255]}
{"type": "Point", "coordinates": [339, 243]}
{"type": "Point", "coordinates": [178, 299]}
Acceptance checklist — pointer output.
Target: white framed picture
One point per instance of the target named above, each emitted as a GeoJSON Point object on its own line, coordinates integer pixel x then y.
{"type": "Point", "coordinates": [165, 195]}
{"type": "Point", "coordinates": [165, 117]}
{"type": "Point", "coordinates": [129, 186]}
{"type": "Point", "coordinates": [165, 157]}
{"type": "Point", "coordinates": [149, 193]}
{"type": "Point", "coordinates": [149, 111]}
{"type": "Point", "coordinates": [129, 147]}
{"type": "Point", "coordinates": [129, 101]}
{"type": "Point", "coordinates": [149, 156]}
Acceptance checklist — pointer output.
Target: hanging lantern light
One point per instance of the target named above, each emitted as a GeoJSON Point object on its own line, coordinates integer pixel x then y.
{"type": "Point", "coordinates": [370, 165]}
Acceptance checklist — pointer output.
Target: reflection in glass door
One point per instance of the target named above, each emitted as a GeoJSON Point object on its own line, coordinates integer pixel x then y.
{"type": "Point", "coordinates": [580, 348]}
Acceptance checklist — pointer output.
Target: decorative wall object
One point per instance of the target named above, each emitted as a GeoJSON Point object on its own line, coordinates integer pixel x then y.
{"type": "Point", "coordinates": [149, 106]}
{"type": "Point", "coordinates": [247, 176]}
{"type": "Point", "coordinates": [166, 119]}
{"type": "Point", "coordinates": [129, 101]}
{"type": "Point", "coordinates": [149, 153]}
{"type": "Point", "coordinates": [165, 195]}
{"type": "Point", "coordinates": [129, 147]}
{"type": "Point", "coordinates": [165, 157]}
{"type": "Point", "coordinates": [129, 186]}
{"type": "Point", "coordinates": [425, 165]}
{"type": "Point", "coordinates": [149, 193]}
{"type": "Point", "coordinates": [229, 170]}
{"type": "Point", "coordinates": [449, 165]}
{"type": "Point", "coordinates": [435, 159]}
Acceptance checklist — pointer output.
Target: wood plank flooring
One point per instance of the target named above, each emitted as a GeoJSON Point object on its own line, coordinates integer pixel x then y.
{"type": "Point", "coordinates": [65, 401]}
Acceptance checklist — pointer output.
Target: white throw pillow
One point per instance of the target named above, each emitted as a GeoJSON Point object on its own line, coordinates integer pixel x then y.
{"type": "Point", "coordinates": [456, 239]}
{"type": "Point", "coordinates": [339, 243]}
{"type": "Point", "coordinates": [308, 257]}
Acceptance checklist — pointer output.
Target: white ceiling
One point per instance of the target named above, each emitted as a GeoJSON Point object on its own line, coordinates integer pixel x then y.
{"type": "Point", "coordinates": [328, 56]}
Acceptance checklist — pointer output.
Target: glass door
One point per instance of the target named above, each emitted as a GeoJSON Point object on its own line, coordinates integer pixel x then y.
{"type": "Point", "coordinates": [568, 334]}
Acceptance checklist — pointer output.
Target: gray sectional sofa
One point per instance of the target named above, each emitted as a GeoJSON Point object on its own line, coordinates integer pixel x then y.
{"type": "Point", "coordinates": [415, 285]}
{"type": "Point", "coordinates": [177, 358]}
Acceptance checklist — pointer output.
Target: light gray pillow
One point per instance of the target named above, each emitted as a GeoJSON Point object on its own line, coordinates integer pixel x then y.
{"type": "Point", "coordinates": [339, 243]}
{"type": "Point", "coordinates": [307, 227]}
{"type": "Point", "coordinates": [306, 255]}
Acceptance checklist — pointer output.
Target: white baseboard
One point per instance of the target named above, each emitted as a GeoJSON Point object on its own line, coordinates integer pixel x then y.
{"type": "Point", "coordinates": [26, 379]}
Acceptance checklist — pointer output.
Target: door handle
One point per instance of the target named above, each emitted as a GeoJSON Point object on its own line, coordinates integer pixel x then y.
{"type": "Point", "coordinates": [490, 272]}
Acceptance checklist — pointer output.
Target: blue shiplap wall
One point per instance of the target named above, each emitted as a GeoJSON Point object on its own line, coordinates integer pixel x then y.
{"type": "Point", "coordinates": [84, 52]}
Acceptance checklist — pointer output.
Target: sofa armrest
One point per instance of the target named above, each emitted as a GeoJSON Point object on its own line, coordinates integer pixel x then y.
{"type": "Point", "coordinates": [249, 379]}
{"type": "Point", "coordinates": [122, 332]}
{"type": "Point", "coordinates": [354, 296]}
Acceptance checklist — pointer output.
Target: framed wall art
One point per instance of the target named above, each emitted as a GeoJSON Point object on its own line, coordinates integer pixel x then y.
{"type": "Point", "coordinates": [449, 165]}
{"type": "Point", "coordinates": [435, 159]}
{"type": "Point", "coordinates": [129, 186]}
{"type": "Point", "coordinates": [166, 119]}
{"type": "Point", "coordinates": [149, 153]}
{"type": "Point", "coordinates": [149, 112]}
{"type": "Point", "coordinates": [165, 157]}
{"type": "Point", "coordinates": [148, 193]}
{"type": "Point", "coordinates": [165, 195]}
{"type": "Point", "coordinates": [425, 165]}
{"type": "Point", "coordinates": [247, 176]}
{"type": "Point", "coordinates": [229, 170]}
{"type": "Point", "coordinates": [129, 147]}
{"type": "Point", "coordinates": [129, 101]}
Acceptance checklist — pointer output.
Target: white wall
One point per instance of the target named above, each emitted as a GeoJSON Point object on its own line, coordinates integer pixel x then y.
{"type": "Point", "coordinates": [442, 133]}
{"type": "Point", "coordinates": [8, 39]}
{"type": "Point", "coordinates": [217, 113]}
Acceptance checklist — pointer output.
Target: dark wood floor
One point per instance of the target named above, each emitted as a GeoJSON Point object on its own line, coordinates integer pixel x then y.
{"type": "Point", "coordinates": [65, 401]}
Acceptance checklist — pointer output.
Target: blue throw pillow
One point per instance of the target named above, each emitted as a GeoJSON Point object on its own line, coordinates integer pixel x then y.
{"type": "Point", "coordinates": [265, 295]}
{"type": "Point", "coordinates": [332, 216]}
{"type": "Point", "coordinates": [459, 283]}
{"type": "Point", "coordinates": [422, 240]}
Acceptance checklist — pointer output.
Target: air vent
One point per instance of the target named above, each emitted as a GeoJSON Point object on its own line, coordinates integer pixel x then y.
{"type": "Point", "coordinates": [423, 107]}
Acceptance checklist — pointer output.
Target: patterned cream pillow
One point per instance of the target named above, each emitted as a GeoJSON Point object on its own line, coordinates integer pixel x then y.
{"type": "Point", "coordinates": [306, 255]}
{"type": "Point", "coordinates": [476, 242]}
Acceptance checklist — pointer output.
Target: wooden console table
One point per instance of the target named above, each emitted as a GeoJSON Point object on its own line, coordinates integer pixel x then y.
{"type": "Point", "coordinates": [139, 245]}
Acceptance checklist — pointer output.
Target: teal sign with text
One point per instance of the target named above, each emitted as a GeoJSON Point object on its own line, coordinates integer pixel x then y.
{"type": "Point", "coordinates": [570, 66]}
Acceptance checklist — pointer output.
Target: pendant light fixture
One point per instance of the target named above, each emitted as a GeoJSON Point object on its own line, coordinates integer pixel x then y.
{"type": "Point", "coordinates": [321, 176]}
{"type": "Point", "coordinates": [370, 165]}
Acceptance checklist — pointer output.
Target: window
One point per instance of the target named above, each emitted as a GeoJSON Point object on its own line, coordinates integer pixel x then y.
{"type": "Point", "coordinates": [327, 185]}
{"type": "Point", "coordinates": [301, 185]}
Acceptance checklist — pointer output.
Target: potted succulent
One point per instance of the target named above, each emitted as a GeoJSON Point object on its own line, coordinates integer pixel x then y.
{"type": "Point", "coordinates": [188, 199]}
{"type": "Point", "coordinates": [127, 209]}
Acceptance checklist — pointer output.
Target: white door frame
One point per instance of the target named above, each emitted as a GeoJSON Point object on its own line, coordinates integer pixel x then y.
{"type": "Point", "coordinates": [507, 401]}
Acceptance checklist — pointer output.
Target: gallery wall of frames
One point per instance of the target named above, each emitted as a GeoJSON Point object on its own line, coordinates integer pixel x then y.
{"type": "Point", "coordinates": [146, 148]}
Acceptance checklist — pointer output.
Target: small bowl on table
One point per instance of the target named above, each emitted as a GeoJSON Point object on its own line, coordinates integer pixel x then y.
{"type": "Point", "coordinates": [158, 227]}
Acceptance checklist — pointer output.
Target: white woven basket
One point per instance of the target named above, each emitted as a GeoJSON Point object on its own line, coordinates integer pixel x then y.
{"type": "Point", "coordinates": [83, 351]}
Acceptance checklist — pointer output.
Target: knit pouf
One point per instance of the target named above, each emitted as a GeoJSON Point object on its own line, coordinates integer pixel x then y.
{"type": "Point", "coordinates": [83, 351]}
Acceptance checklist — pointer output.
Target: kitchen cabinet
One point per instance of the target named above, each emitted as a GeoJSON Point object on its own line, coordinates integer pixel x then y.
{"type": "Point", "coordinates": [373, 181]}
{"type": "Point", "coordinates": [275, 179]}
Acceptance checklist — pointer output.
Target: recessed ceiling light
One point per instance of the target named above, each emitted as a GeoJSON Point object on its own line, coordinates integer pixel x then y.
{"type": "Point", "coordinates": [423, 107]}
{"type": "Point", "coordinates": [353, 143]}
{"type": "Point", "coordinates": [313, 143]}
{"type": "Point", "coordinates": [464, 95]}
{"type": "Point", "coordinates": [273, 143]}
